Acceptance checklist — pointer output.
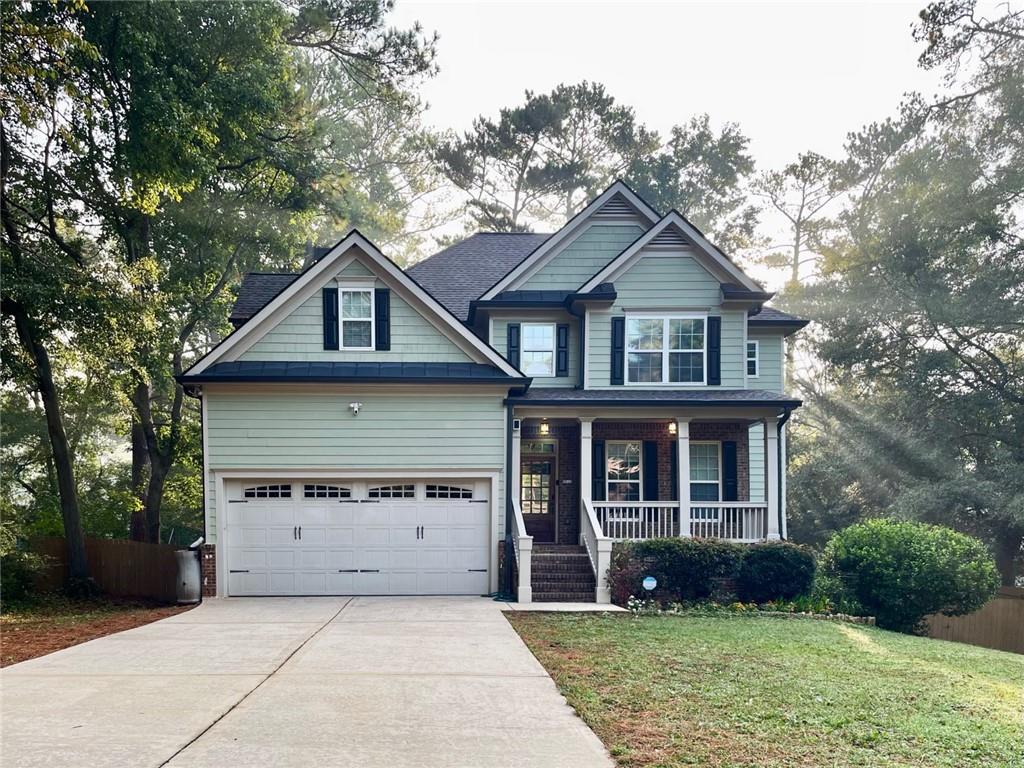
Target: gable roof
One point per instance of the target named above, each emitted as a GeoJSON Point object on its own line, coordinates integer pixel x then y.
{"type": "Point", "coordinates": [618, 195]}
{"type": "Point", "coordinates": [321, 270]}
{"type": "Point", "coordinates": [463, 271]}
{"type": "Point", "coordinates": [256, 290]}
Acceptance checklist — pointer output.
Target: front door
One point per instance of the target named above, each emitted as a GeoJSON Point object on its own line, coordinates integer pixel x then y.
{"type": "Point", "coordinates": [537, 495]}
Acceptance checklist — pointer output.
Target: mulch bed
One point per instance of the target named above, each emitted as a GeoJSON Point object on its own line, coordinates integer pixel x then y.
{"type": "Point", "coordinates": [32, 631]}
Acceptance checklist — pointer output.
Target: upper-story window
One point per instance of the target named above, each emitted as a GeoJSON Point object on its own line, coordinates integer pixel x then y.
{"type": "Point", "coordinates": [666, 350]}
{"type": "Point", "coordinates": [356, 318]}
{"type": "Point", "coordinates": [753, 360]}
{"type": "Point", "coordinates": [538, 354]}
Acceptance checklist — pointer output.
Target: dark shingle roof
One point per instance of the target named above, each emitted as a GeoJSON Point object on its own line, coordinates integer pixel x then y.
{"type": "Point", "coordinates": [464, 271]}
{"type": "Point", "coordinates": [341, 371]}
{"type": "Point", "coordinates": [629, 397]}
{"type": "Point", "coordinates": [769, 316]}
{"type": "Point", "coordinates": [256, 290]}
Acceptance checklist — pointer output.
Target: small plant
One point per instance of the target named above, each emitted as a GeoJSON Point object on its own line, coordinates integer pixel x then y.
{"type": "Point", "coordinates": [900, 572]}
{"type": "Point", "coordinates": [639, 607]}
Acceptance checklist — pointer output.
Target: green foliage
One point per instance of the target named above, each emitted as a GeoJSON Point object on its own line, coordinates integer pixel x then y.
{"type": "Point", "coordinates": [775, 571]}
{"type": "Point", "coordinates": [686, 569]}
{"type": "Point", "coordinates": [18, 568]}
{"type": "Point", "coordinates": [901, 572]}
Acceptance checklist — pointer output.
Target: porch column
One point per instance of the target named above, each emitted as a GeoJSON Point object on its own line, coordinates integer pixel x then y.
{"type": "Point", "coordinates": [515, 479]}
{"type": "Point", "coordinates": [784, 470]}
{"type": "Point", "coordinates": [586, 467]}
{"type": "Point", "coordinates": [683, 453]}
{"type": "Point", "coordinates": [771, 481]}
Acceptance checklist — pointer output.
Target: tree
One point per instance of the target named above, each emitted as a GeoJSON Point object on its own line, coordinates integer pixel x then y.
{"type": "Point", "coordinates": [702, 174]}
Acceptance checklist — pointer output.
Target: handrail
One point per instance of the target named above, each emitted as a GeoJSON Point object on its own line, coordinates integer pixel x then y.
{"type": "Point", "coordinates": [522, 547]}
{"type": "Point", "coordinates": [599, 549]}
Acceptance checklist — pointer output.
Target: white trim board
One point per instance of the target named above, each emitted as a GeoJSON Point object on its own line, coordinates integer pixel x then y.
{"type": "Point", "coordinates": [700, 247]}
{"type": "Point", "coordinates": [324, 270]}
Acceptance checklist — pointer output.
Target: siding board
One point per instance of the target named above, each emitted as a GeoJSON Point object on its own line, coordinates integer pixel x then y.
{"type": "Point", "coordinates": [584, 257]}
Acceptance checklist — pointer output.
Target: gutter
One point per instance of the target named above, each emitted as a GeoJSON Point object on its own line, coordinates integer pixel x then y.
{"type": "Point", "coordinates": [778, 460]}
{"type": "Point", "coordinates": [788, 405]}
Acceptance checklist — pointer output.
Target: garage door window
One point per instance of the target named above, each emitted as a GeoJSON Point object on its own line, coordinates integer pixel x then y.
{"type": "Point", "coordinates": [268, 492]}
{"type": "Point", "coordinates": [326, 492]}
{"type": "Point", "coordinates": [393, 492]}
{"type": "Point", "coordinates": [448, 492]}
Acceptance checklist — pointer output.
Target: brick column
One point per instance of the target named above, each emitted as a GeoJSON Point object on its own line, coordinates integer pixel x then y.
{"type": "Point", "coordinates": [208, 569]}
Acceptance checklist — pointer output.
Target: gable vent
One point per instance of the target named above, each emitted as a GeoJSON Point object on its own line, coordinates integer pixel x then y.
{"type": "Point", "coordinates": [670, 237]}
{"type": "Point", "coordinates": [616, 208]}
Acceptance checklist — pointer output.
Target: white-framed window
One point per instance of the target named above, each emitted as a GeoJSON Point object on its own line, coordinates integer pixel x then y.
{"type": "Point", "coordinates": [393, 492]}
{"type": "Point", "coordinates": [356, 317]}
{"type": "Point", "coordinates": [666, 349]}
{"type": "Point", "coordinates": [623, 470]}
{"type": "Point", "coordinates": [316, 491]}
{"type": "Point", "coordinates": [753, 359]}
{"type": "Point", "coordinates": [268, 492]}
{"type": "Point", "coordinates": [448, 492]}
{"type": "Point", "coordinates": [537, 355]}
{"type": "Point", "coordinates": [705, 471]}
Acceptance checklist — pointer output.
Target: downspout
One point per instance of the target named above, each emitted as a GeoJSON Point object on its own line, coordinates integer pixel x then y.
{"type": "Point", "coordinates": [778, 460]}
{"type": "Point", "coordinates": [507, 586]}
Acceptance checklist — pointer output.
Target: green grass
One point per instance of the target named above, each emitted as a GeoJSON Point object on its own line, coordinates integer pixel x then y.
{"type": "Point", "coordinates": [765, 691]}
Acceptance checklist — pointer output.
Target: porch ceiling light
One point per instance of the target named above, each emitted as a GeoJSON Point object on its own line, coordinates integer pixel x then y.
{"type": "Point", "coordinates": [672, 428]}
{"type": "Point", "coordinates": [545, 428]}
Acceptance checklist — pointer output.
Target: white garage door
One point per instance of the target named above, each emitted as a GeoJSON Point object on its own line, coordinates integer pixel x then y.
{"type": "Point", "coordinates": [323, 537]}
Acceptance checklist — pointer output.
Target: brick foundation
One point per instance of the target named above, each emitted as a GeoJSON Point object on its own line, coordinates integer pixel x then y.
{"type": "Point", "coordinates": [208, 569]}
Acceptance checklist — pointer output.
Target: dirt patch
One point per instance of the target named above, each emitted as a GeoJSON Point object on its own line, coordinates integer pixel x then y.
{"type": "Point", "coordinates": [39, 630]}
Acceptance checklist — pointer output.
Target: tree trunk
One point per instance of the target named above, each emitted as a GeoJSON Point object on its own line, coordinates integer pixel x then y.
{"type": "Point", "coordinates": [78, 566]}
{"type": "Point", "coordinates": [154, 498]}
{"type": "Point", "coordinates": [1008, 552]}
{"type": "Point", "coordinates": [140, 463]}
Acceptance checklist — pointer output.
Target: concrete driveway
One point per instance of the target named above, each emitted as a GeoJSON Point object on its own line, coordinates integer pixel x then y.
{"type": "Point", "coordinates": [324, 682]}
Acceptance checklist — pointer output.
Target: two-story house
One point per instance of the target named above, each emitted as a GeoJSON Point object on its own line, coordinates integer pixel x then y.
{"type": "Point", "coordinates": [505, 409]}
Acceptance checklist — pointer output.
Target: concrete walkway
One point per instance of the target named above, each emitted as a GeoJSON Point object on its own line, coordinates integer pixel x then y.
{"type": "Point", "coordinates": [359, 682]}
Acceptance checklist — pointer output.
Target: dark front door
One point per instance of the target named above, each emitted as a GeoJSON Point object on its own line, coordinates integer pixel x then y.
{"type": "Point", "coordinates": [537, 496]}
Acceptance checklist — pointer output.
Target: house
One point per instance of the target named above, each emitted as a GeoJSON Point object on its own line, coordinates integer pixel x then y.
{"type": "Point", "coordinates": [505, 409]}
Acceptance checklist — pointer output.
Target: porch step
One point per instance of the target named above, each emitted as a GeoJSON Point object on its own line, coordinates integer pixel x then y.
{"type": "Point", "coordinates": [562, 573]}
{"type": "Point", "coordinates": [564, 597]}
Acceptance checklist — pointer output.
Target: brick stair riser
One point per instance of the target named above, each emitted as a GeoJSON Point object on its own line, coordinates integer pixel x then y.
{"type": "Point", "coordinates": [580, 578]}
{"type": "Point", "coordinates": [563, 597]}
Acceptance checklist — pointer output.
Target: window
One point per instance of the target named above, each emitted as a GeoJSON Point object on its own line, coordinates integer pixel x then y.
{"type": "Point", "coordinates": [623, 474]}
{"type": "Point", "coordinates": [705, 472]}
{"type": "Point", "coordinates": [356, 318]}
{"type": "Point", "coordinates": [325, 492]}
{"type": "Point", "coordinates": [268, 492]}
{"type": "Point", "coordinates": [393, 492]}
{"type": "Point", "coordinates": [536, 446]}
{"type": "Point", "coordinates": [448, 492]}
{"type": "Point", "coordinates": [665, 350]}
{"type": "Point", "coordinates": [752, 359]}
{"type": "Point", "coordinates": [538, 353]}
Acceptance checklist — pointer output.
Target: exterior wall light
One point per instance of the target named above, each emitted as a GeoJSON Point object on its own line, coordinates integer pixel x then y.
{"type": "Point", "coordinates": [354, 407]}
{"type": "Point", "coordinates": [672, 428]}
{"type": "Point", "coordinates": [544, 428]}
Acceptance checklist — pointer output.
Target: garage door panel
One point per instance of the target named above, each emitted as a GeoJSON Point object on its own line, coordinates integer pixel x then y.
{"type": "Point", "coordinates": [339, 559]}
{"type": "Point", "coordinates": [467, 559]}
{"type": "Point", "coordinates": [282, 583]}
{"type": "Point", "coordinates": [313, 536]}
{"type": "Point", "coordinates": [340, 537]}
{"type": "Point", "coordinates": [376, 536]}
{"type": "Point", "coordinates": [314, 514]}
{"type": "Point", "coordinates": [280, 558]}
{"type": "Point", "coordinates": [466, 583]}
{"type": "Point", "coordinates": [248, 583]}
{"type": "Point", "coordinates": [433, 558]}
{"type": "Point", "coordinates": [370, 584]}
{"type": "Point", "coordinates": [311, 583]}
{"type": "Point", "coordinates": [312, 558]}
{"type": "Point", "coordinates": [403, 582]}
{"type": "Point", "coordinates": [250, 558]}
{"type": "Point", "coordinates": [466, 537]}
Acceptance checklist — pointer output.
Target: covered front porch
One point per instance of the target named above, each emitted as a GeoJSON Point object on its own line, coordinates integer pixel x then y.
{"type": "Point", "coordinates": [591, 477]}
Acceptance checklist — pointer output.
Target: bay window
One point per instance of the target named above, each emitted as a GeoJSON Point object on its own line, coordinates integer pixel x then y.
{"type": "Point", "coordinates": [666, 350]}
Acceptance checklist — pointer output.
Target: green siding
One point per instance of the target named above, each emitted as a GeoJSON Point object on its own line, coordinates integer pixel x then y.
{"type": "Point", "coordinates": [757, 462]}
{"type": "Point", "coordinates": [667, 283]}
{"type": "Point", "coordinates": [771, 361]}
{"type": "Point", "coordinates": [584, 257]}
{"type": "Point", "coordinates": [299, 336]}
{"type": "Point", "coordinates": [316, 430]}
{"type": "Point", "coordinates": [499, 340]}
{"type": "Point", "coordinates": [356, 269]}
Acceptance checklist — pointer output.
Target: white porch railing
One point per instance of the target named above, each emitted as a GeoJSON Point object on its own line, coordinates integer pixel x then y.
{"type": "Point", "coordinates": [741, 521]}
{"type": "Point", "coordinates": [599, 550]}
{"type": "Point", "coordinates": [522, 547]}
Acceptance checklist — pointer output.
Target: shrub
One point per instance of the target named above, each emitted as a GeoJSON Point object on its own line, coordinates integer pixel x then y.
{"type": "Point", "coordinates": [775, 571]}
{"type": "Point", "coordinates": [686, 569]}
{"type": "Point", "coordinates": [902, 571]}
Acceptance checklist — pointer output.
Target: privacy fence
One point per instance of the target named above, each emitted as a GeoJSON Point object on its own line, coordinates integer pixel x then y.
{"type": "Point", "coordinates": [999, 624]}
{"type": "Point", "coordinates": [120, 567]}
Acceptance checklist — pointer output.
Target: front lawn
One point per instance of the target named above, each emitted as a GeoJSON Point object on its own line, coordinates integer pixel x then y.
{"type": "Point", "coordinates": [766, 691]}
{"type": "Point", "coordinates": [53, 623]}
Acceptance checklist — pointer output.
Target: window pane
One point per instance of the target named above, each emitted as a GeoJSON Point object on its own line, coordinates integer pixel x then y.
{"type": "Point", "coordinates": [685, 366]}
{"type": "Point", "coordinates": [703, 491]}
{"type": "Point", "coordinates": [538, 363]}
{"type": "Point", "coordinates": [644, 334]}
{"type": "Point", "coordinates": [752, 358]}
{"type": "Point", "coordinates": [538, 336]}
{"type": "Point", "coordinates": [704, 461]}
{"type": "Point", "coordinates": [355, 304]}
{"type": "Point", "coordinates": [355, 333]}
{"type": "Point", "coordinates": [686, 334]}
{"type": "Point", "coordinates": [645, 366]}
{"type": "Point", "coordinates": [751, 367]}
{"type": "Point", "coordinates": [623, 491]}
{"type": "Point", "coordinates": [623, 461]}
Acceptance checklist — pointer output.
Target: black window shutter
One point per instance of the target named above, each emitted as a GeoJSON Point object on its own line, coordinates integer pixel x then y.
{"type": "Point", "coordinates": [330, 318]}
{"type": "Point", "coordinates": [562, 350]}
{"type": "Point", "coordinates": [618, 349]}
{"type": "Point", "coordinates": [675, 471]}
{"type": "Point", "coordinates": [382, 319]}
{"type": "Point", "coordinates": [649, 469]}
{"type": "Point", "coordinates": [714, 350]}
{"type": "Point", "coordinates": [730, 481]}
{"type": "Point", "coordinates": [597, 470]}
{"type": "Point", "coordinates": [513, 344]}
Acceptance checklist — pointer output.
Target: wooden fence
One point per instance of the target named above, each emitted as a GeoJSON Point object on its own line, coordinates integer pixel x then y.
{"type": "Point", "coordinates": [121, 568]}
{"type": "Point", "coordinates": [998, 624]}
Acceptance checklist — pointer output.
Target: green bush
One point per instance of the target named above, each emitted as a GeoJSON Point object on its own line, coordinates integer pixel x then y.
{"type": "Point", "coordinates": [775, 571]}
{"type": "Point", "coordinates": [18, 570]}
{"type": "Point", "coordinates": [686, 569]}
{"type": "Point", "coordinates": [902, 571]}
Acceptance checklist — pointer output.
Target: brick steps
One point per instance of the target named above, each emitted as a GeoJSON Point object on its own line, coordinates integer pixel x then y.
{"type": "Point", "coordinates": [561, 573]}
